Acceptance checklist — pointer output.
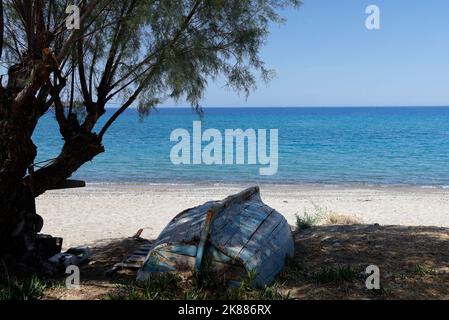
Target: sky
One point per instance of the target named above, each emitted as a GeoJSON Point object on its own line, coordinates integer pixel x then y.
{"type": "Point", "coordinates": [325, 56]}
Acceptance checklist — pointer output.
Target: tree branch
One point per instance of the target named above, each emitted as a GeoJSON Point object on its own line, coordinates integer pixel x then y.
{"type": "Point", "coordinates": [82, 76]}
{"type": "Point", "coordinates": [129, 102]}
{"type": "Point", "coordinates": [76, 151]}
{"type": "Point", "coordinates": [72, 38]}
{"type": "Point", "coordinates": [139, 89]}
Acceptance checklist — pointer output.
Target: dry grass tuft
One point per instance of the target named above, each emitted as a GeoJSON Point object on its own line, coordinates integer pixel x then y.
{"type": "Point", "coordinates": [341, 219]}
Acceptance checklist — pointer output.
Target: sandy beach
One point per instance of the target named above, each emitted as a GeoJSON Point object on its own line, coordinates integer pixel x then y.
{"type": "Point", "coordinates": [102, 212]}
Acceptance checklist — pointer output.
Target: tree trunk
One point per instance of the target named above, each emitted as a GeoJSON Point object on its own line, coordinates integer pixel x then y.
{"type": "Point", "coordinates": [18, 220]}
{"type": "Point", "coordinates": [77, 150]}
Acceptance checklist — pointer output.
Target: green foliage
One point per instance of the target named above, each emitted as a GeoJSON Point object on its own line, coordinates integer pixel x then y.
{"type": "Point", "coordinates": [159, 49]}
{"type": "Point", "coordinates": [223, 38]}
{"type": "Point", "coordinates": [307, 220]}
{"type": "Point", "coordinates": [28, 289]}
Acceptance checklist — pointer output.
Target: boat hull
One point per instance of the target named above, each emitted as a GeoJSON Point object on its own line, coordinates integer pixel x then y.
{"type": "Point", "coordinates": [239, 235]}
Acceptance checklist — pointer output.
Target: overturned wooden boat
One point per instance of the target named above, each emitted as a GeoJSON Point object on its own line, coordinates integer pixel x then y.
{"type": "Point", "coordinates": [237, 236]}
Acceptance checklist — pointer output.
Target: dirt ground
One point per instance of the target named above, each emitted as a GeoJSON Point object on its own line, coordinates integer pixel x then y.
{"type": "Point", "coordinates": [413, 264]}
{"type": "Point", "coordinates": [413, 261]}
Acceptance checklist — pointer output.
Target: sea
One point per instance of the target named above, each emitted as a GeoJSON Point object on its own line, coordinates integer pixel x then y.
{"type": "Point", "coordinates": [363, 146]}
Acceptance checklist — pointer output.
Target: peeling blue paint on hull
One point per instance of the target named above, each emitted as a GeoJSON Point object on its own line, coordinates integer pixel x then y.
{"type": "Point", "coordinates": [238, 235]}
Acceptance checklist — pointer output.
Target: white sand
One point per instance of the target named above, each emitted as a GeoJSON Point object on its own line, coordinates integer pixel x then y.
{"type": "Point", "coordinates": [103, 212]}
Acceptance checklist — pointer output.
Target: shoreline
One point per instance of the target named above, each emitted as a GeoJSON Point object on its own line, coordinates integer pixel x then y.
{"type": "Point", "coordinates": [101, 212]}
{"type": "Point", "coordinates": [308, 186]}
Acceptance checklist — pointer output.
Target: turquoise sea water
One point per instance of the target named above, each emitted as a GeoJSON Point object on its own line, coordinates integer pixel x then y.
{"type": "Point", "coordinates": [363, 146]}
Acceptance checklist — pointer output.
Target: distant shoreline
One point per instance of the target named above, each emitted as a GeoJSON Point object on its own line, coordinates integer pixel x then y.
{"type": "Point", "coordinates": [286, 107]}
{"type": "Point", "coordinates": [305, 186]}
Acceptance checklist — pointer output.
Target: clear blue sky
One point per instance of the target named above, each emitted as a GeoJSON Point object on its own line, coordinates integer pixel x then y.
{"type": "Point", "coordinates": [324, 56]}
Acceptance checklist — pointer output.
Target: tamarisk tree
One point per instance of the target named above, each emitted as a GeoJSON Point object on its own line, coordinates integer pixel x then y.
{"type": "Point", "coordinates": [133, 52]}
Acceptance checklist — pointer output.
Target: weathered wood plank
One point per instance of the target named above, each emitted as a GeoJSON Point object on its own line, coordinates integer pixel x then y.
{"type": "Point", "coordinates": [184, 249]}
{"type": "Point", "coordinates": [261, 238]}
{"type": "Point", "coordinates": [217, 255]}
{"type": "Point", "coordinates": [176, 261]}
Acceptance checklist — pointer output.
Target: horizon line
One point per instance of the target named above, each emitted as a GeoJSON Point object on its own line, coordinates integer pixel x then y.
{"type": "Point", "coordinates": [292, 107]}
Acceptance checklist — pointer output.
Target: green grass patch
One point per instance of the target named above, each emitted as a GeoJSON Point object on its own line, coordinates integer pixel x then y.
{"type": "Point", "coordinates": [423, 270]}
{"type": "Point", "coordinates": [161, 287]}
{"type": "Point", "coordinates": [203, 286]}
{"type": "Point", "coordinates": [306, 220]}
{"type": "Point", "coordinates": [247, 292]}
{"type": "Point", "coordinates": [309, 219]}
{"type": "Point", "coordinates": [27, 289]}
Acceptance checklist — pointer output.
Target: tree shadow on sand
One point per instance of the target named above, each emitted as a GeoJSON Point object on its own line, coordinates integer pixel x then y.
{"type": "Point", "coordinates": [95, 284]}
{"type": "Point", "coordinates": [106, 253]}
{"type": "Point", "coordinates": [413, 261]}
